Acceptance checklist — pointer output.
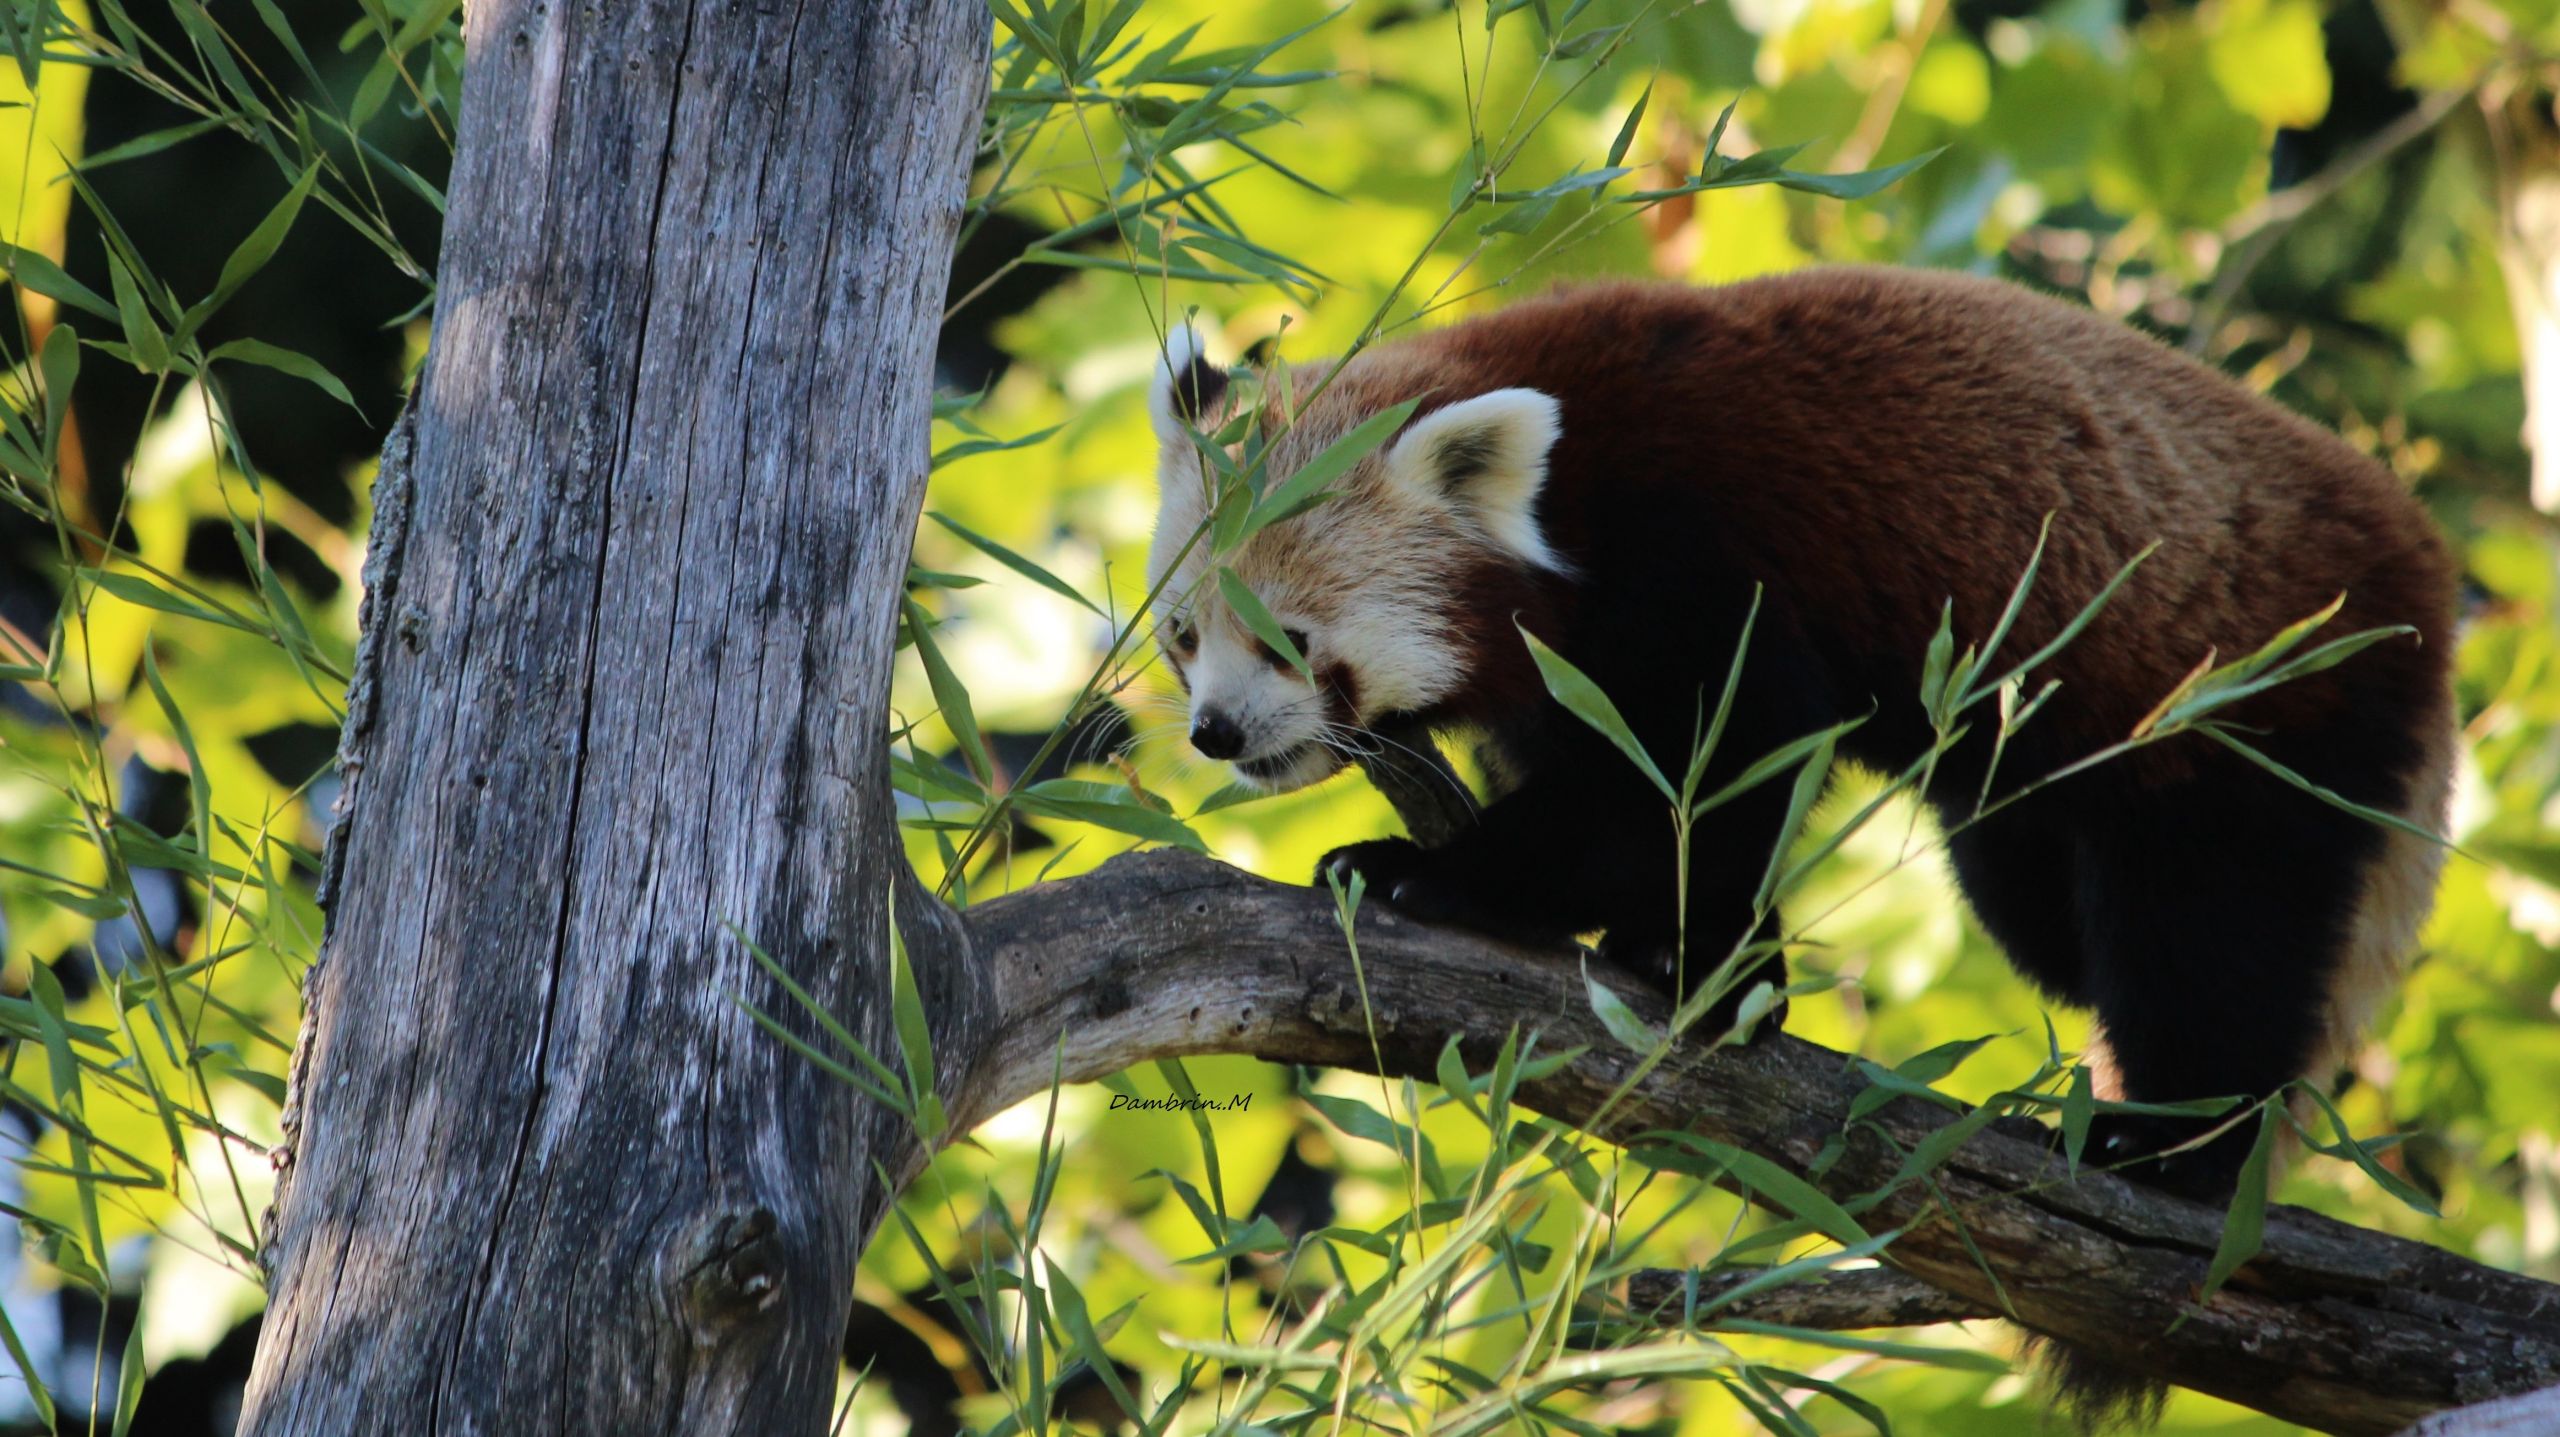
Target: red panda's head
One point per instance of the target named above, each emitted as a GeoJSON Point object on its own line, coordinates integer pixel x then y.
{"type": "Point", "coordinates": [1368, 584]}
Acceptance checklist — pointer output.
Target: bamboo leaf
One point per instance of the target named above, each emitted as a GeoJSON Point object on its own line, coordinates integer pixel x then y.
{"type": "Point", "coordinates": [129, 1375]}
{"type": "Point", "coordinates": [1704, 751]}
{"type": "Point", "coordinates": [2070, 631]}
{"type": "Point", "coordinates": [141, 334]}
{"type": "Point", "coordinates": [1114, 808]}
{"type": "Point", "coordinates": [1305, 489]}
{"type": "Point", "coordinates": [1588, 41]}
{"type": "Point", "coordinates": [1809, 784]}
{"type": "Point", "coordinates": [1067, 1303]}
{"type": "Point", "coordinates": [199, 787]}
{"type": "Point", "coordinates": [1143, 269]}
{"type": "Point", "coordinates": [60, 364]}
{"type": "Point", "coordinates": [887, 1096]}
{"type": "Point", "coordinates": [1583, 699]}
{"type": "Point", "coordinates": [1854, 186]}
{"type": "Point", "coordinates": [1933, 663]}
{"type": "Point", "coordinates": [1451, 1070]}
{"type": "Point", "coordinates": [277, 357]}
{"type": "Point", "coordinates": [2330, 797]}
{"type": "Point", "coordinates": [1259, 619]}
{"type": "Point", "coordinates": [2079, 1106]}
{"type": "Point", "coordinates": [1960, 1359]}
{"type": "Point", "coordinates": [949, 694]}
{"type": "Point", "coordinates": [1014, 561]}
{"type": "Point", "coordinates": [1631, 1031]}
{"type": "Point", "coordinates": [2017, 594]}
{"type": "Point", "coordinates": [1627, 127]}
{"type": "Point", "coordinates": [2244, 1228]}
{"type": "Point", "coordinates": [915, 1036]}
{"type": "Point", "coordinates": [1522, 218]}
{"type": "Point", "coordinates": [28, 1374]}
{"type": "Point", "coordinates": [2360, 1153]}
{"type": "Point", "coordinates": [989, 445]}
{"type": "Point", "coordinates": [153, 143]}
{"type": "Point", "coordinates": [46, 278]}
{"type": "Point", "coordinates": [252, 253]}
{"type": "Point", "coordinates": [1773, 1183]}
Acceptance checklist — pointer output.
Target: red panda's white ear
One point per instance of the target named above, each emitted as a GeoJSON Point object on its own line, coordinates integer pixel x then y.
{"type": "Point", "coordinates": [1488, 455]}
{"type": "Point", "coordinates": [1186, 386]}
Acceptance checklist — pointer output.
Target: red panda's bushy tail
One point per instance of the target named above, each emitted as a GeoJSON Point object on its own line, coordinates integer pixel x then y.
{"type": "Point", "coordinates": [2090, 1394]}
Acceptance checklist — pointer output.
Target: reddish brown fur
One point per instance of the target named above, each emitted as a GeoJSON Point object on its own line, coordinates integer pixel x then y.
{"type": "Point", "coordinates": [1864, 446]}
{"type": "Point", "coordinates": [1880, 465]}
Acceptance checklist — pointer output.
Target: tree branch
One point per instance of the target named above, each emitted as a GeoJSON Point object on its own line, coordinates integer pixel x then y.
{"type": "Point", "coordinates": [1833, 1302]}
{"type": "Point", "coordinates": [1165, 955]}
{"type": "Point", "coordinates": [2535, 1414]}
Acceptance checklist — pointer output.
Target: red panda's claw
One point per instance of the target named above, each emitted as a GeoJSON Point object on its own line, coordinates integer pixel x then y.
{"type": "Point", "coordinates": [1404, 876]}
{"type": "Point", "coordinates": [1386, 863]}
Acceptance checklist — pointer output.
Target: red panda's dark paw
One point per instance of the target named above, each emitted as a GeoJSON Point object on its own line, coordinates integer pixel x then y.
{"type": "Point", "coordinates": [2136, 1145]}
{"type": "Point", "coordinates": [1383, 863]}
{"type": "Point", "coordinates": [1654, 961]}
{"type": "Point", "coordinates": [1412, 880]}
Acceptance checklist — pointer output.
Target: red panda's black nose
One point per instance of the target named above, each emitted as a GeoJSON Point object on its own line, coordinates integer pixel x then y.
{"type": "Point", "coordinates": [1216, 736]}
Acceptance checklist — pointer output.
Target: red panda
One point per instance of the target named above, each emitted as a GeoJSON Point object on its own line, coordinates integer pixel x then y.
{"type": "Point", "coordinates": [1620, 468]}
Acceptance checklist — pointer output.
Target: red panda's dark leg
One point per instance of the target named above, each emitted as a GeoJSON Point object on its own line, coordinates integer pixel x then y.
{"type": "Point", "coordinates": [1525, 870]}
{"type": "Point", "coordinates": [2215, 916]}
{"type": "Point", "coordinates": [1583, 840]}
{"type": "Point", "coordinates": [1676, 951]}
{"type": "Point", "coordinates": [2020, 876]}
{"type": "Point", "coordinates": [1585, 843]}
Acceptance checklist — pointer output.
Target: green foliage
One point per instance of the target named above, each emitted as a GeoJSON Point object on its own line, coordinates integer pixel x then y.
{"type": "Point", "coordinates": [165, 665]}
{"type": "Point", "coordinates": [1315, 179]}
{"type": "Point", "coordinates": [1463, 155]}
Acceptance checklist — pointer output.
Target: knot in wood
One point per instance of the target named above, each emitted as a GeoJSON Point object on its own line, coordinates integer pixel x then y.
{"type": "Point", "coordinates": [1338, 1009]}
{"type": "Point", "coordinates": [736, 1274]}
{"type": "Point", "coordinates": [1111, 997]}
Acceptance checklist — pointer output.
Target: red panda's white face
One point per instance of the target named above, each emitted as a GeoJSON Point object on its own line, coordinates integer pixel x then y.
{"type": "Point", "coordinates": [1368, 585]}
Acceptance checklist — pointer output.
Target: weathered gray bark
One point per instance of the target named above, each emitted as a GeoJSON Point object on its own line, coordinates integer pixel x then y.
{"type": "Point", "coordinates": [636, 563]}
{"type": "Point", "coordinates": [1836, 1302]}
{"type": "Point", "coordinates": [2330, 1326]}
{"type": "Point", "coordinates": [2536, 1414]}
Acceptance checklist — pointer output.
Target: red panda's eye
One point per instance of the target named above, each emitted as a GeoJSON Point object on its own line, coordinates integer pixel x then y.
{"type": "Point", "coordinates": [1270, 655]}
{"type": "Point", "coordinates": [1184, 637]}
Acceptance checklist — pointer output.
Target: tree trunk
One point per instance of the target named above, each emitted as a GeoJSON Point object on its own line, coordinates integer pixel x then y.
{"type": "Point", "coordinates": [2536, 1414]}
{"type": "Point", "coordinates": [636, 559]}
